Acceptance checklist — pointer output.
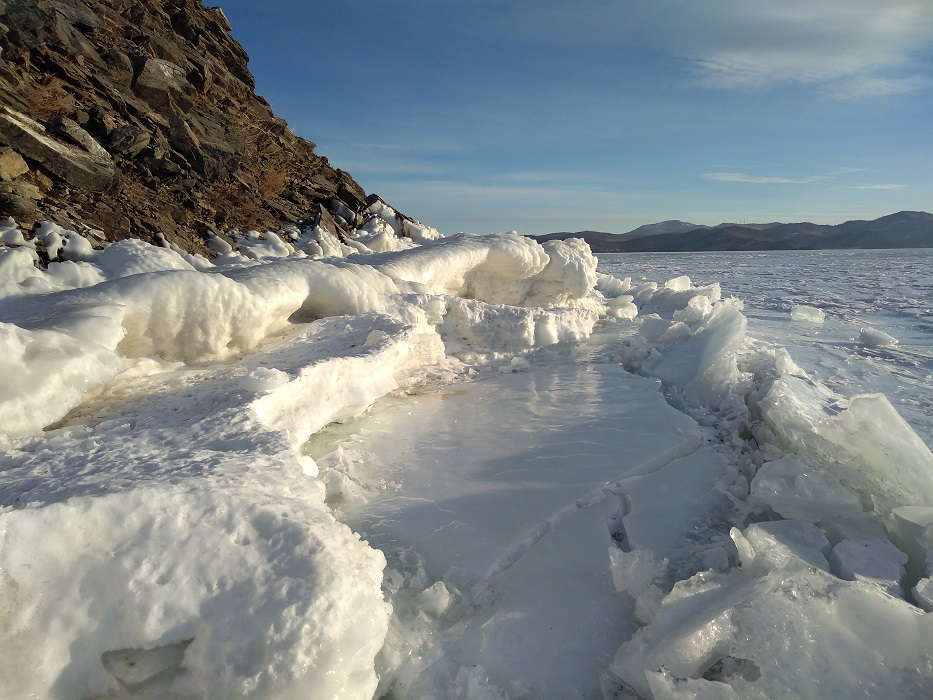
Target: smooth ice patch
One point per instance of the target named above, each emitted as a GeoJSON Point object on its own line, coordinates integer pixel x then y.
{"type": "Point", "coordinates": [470, 506]}
{"type": "Point", "coordinates": [512, 513]}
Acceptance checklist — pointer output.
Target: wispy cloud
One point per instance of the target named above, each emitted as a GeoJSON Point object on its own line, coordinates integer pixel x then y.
{"type": "Point", "coordinates": [881, 187]}
{"type": "Point", "coordinates": [848, 49]}
{"type": "Point", "coordinates": [757, 180]}
{"type": "Point", "coordinates": [862, 86]}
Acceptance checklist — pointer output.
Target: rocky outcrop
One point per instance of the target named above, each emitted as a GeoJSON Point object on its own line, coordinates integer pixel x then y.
{"type": "Point", "coordinates": [140, 118]}
{"type": "Point", "coordinates": [74, 156]}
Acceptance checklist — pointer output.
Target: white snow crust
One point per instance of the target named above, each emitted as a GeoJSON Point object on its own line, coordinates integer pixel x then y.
{"type": "Point", "coordinates": [403, 465]}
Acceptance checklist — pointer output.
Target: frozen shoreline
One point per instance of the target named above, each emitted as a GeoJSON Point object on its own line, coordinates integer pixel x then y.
{"type": "Point", "coordinates": [163, 532]}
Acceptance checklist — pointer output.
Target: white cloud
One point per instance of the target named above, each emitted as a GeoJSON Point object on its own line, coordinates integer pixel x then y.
{"type": "Point", "coordinates": [753, 179]}
{"type": "Point", "coordinates": [859, 86]}
{"type": "Point", "coordinates": [848, 170]}
{"type": "Point", "coordinates": [881, 187]}
{"type": "Point", "coordinates": [850, 48]}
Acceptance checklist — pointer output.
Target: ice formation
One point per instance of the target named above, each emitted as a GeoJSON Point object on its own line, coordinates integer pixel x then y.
{"type": "Point", "coordinates": [807, 314]}
{"type": "Point", "coordinates": [256, 476]}
{"type": "Point", "coordinates": [873, 338]}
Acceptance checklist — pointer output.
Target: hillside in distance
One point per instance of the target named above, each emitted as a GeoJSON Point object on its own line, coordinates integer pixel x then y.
{"type": "Point", "coordinates": [906, 229]}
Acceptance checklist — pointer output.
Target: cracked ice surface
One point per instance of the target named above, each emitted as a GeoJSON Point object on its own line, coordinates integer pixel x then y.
{"type": "Point", "coordinates": [503, 491]}
{"type": "Point", "coordinates": [482, 474]}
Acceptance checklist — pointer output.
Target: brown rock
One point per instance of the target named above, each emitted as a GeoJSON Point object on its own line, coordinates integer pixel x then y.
{"type": "Point", "coordinates": [71, 132]}
{"type": "Point", "coordinates": [12, 165]}
{"type": "Point", "coordinates": [76, 166]}
{"type": "Point", "coordinates": [128, 140]}
{"type": "Point", "coordinates": [218, 19]}
{"type": "Point", "coordinates": [162, 167]}
{"type": "Point", "coordinates": [27, 190]}
{"type": "Point", "coordinates": [40, 180]}
{"type": "Point", "coordinates": [164, 85]}
{"type": "Point", "coordinates": [80, 16]}
{"type": "Point", "coordinates": [121, 67]}
{"type": "Point", "coordinates": [14, 204]}
{"type": "Point", "coordinates": [327, 222]}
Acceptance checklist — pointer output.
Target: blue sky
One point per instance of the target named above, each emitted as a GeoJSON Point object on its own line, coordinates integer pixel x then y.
{"type": "Point", "coordinates": [540, 116]}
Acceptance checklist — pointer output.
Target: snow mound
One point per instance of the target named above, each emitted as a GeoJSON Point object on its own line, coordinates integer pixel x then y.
{"type": "Point", "coordinates": [164, 591]}
{"type": "Point", "coordinates": [165, 307]}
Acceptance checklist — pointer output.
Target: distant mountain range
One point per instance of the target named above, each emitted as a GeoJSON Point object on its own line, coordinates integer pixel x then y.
{"type": "Point", "coordinates": [906, 229]}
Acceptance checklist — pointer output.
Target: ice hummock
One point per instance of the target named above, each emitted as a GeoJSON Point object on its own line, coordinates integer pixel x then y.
{"type": "Point", "coordinates": [873, 338]}
{"type": "Point", "coordinates": [263, 475]}
{"type": "Point", "coordinates": [807, 314]}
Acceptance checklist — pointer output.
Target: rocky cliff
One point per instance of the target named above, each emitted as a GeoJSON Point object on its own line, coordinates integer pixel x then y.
{"type": "Point", "coordinates": [140, 118]}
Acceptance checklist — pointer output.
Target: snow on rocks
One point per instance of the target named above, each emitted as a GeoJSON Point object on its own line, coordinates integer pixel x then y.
{"type": "Point", "coordinates": [469, 323]}
{"type": "Point", "coordinates": [383, 219]}
{"type": "Point", "coordinates": [171, 310]}
{"type": "Point", "coordinates": [133, 257]}
{"type": "Point", "coordinates": [337, 388]}
{"type": "Point", "coordinates": [192, 522]}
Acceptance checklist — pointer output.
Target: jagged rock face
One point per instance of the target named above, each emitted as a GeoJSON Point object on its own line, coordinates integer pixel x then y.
{"type": "Point", "coordinates": [140, 118]}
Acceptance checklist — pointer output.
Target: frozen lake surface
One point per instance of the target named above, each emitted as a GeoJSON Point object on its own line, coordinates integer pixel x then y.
{"type": "Point", "coordinates": [889, 290]}
{"type": "Point", "coordinates": [473, 467]}
{"type": "Point", "coordinates": [502, 488]}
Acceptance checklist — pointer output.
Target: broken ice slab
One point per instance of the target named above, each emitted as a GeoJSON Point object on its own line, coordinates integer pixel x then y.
{"type": "Point", "coordinates": [780, 545]}
{"type": "Point", "coordinates": [807, 314]}
{"type": "Point", "coordinates": [873, 338]}
{"type": "Point", "coordinates": [923, 593]}
{"type": "Point", "coordinates": [794, 489]}
{"type": "Point", "coordinates": [149, 670]}
{"type": "Point", "coordinates": [876, 561]}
